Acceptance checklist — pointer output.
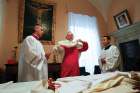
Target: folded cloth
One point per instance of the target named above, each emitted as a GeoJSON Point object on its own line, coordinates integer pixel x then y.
{"type": "Point", "coordinates": [120, 79]}
{"type": "Point", "coordinates": [19, 87]}
{"type": "Point", "coordinates": [5, 85]}
{"type": "Point", "coordinates": [107, 84]}
{"type": "Point", "coordinates": [41, 87]}
{"type": "Point", "coordinates": [67, 43]}
{"type": "Point", "coordinates": [58, 54]}
{"type": "Point", "coordinates": [73, 87]}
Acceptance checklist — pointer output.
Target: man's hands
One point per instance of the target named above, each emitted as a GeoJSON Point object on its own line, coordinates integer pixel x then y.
{"type": "Point", "coordinates": [103, 61]}
{"type": "Point", "coordinates": [79, 40]}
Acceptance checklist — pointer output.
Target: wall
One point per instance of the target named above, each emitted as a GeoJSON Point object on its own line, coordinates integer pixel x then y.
{"type": "Point", "coordinates": [10, 34]}
{"type": "Point", "coordinates": [103, 6]}
{"type": "Point", "coordinates": [117, 6]}
{"type": "Point", "coordinates": [128, 33]}
{"type": "Point", "coordinates": [2, 13]}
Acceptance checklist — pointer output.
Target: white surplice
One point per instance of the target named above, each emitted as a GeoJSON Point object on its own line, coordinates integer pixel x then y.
{"type": "Point", "coordinates": [112, 58]}
{"type": "Point", "coordinates": [32, 61]}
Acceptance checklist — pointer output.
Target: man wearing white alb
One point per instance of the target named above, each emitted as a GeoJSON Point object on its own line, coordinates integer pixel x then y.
{"type": "Point", "coordinates": [109, 59]}
{"type": "Point", "coordinates": [32, 60]}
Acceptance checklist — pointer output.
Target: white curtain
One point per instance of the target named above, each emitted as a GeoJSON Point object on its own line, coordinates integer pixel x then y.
{"type": "Point", "coordinates": [85, 27]}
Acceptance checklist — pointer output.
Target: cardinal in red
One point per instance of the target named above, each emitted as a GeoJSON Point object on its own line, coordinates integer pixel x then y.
{"type": "Point", "coordinates": [70, 64]}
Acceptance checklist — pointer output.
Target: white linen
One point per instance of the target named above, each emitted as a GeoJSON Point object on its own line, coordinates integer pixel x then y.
{"type": "Point", "coordinates": [73, 87]}
{"type": "Point", "coordinates": [10, 87]}
{"type": "Point", "coordinates": [41, 87]}
{"type": "Point", "coordinates": [78, 84]}
{"type": "Point", "coordinates": [111, 57]}
{"type": "Point", "coordinates": [32, 61]}
{"type": "Point", "coordinates": [24, 87]}
{"type": "Point", "coordinates": [81, 83]}
{"type": "Point", "coordinates": [67, 43]}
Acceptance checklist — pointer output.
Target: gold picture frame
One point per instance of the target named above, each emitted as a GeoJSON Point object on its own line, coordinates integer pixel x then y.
{"type": "Point", "coordinates": [122, 19]}
{"type": "Point", "coordinates": [33, 12]}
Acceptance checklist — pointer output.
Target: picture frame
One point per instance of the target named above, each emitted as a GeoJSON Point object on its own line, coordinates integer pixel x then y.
{"type": "Point", "coordinates": [122, 19]}
{"type": "Point", "coordinates": [33, 12]}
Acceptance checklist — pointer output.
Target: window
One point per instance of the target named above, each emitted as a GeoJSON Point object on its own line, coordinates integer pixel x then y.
{"type": "Point", "coordinates": [85, 27]}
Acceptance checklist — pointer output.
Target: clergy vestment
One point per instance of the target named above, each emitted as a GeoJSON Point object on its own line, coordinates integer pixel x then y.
{"type": "Point", "coordinates": [111, 56]}
{"type": "Point", "coordinates": [70, 64]}
{"type": "Point", "coordinates": [32, 61]}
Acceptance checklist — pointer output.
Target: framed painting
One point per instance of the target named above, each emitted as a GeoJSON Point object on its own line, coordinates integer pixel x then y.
{"type": "Point", "coordinates": [122, 19]}
{"type": "Point", "coordinates": [33, 12]}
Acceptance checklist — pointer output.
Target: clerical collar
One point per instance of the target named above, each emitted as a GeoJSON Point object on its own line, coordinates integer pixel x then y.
{"type": "Point", "coordinates": [107, 47]}
{"type": "Point", "coordinates": [35, 36]}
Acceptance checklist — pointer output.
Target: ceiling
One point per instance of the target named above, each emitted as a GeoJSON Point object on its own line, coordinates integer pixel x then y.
{"type": "Point", "coordinates": [102, 6]}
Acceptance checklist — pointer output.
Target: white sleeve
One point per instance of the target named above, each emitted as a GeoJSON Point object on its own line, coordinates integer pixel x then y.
{"type": "Point", "coordinates": [30, 54]}
{"type": "Point", "coordinates": [112, 61]}
{"type": "Point", "coordinates": [100, 63]}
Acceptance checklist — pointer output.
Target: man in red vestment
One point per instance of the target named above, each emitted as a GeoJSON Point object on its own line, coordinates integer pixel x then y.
{"type": "Point", "coordinates": [70, 64]}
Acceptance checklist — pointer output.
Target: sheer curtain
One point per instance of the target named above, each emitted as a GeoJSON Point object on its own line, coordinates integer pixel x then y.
{"type": "Point", "coordinates": [85, 27]}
